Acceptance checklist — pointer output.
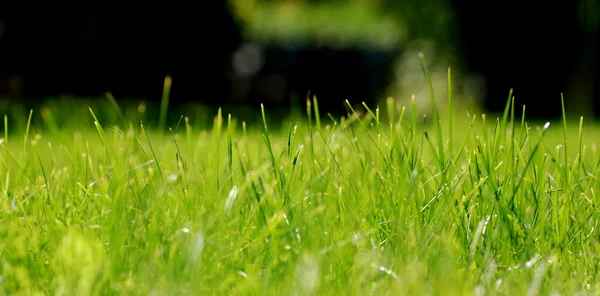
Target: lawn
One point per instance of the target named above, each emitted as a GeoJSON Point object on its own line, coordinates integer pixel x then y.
{"type": "Point", "coordinates": [378, 202]}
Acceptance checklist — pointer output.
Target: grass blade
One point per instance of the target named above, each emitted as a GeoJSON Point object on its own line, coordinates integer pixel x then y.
{"type": "Point", "coordinates": [164, 105]}
{"type": "Point", "coordinates": [436, 114]}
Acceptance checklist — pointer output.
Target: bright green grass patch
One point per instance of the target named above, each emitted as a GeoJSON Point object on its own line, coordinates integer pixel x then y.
{"type": "Point", "coordinates": [372, 204]}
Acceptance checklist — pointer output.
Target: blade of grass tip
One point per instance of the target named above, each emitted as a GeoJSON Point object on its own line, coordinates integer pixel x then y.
{"type": "Point", "coordinates": [528, 136]}
{"type": "Point", "coordinates": [505, 116]}
{"type": "Point", "coordinates": [377, 117]}
{"type": "Point", "coordinates": [285, 149]}
{"type": "Point", "coordinates": [292, 141]}
{"type": "Point", "coordinates": [529, 161]}
{"type": "Point", "coordinates": [309, 110]}
{"type": "Point", "coordinates": [497, 147]}
{"type": "Point", "coordinates": [178, 123]}
{"type": "Point", "coordinates": [111, 99]}
{"type": "Point", "coordinates": [432, 146]}
{"type": "Point", "coordinates": [370, 112]}
{"type": "Point", "coordinates": [272, 156]}
{"type": "Point", "coordinates": [6, 136]}
{"type": "Point", "coordinates": [89, 196]}
{"type": "Point", "coordinates": [390, 111]}
{"type": "Point", "coordinates": [229, 147]}
{"type": "Point", "coordinates": [413, 118]}
{"type": "Point", "coordinates": [101, 133]}
{"type": "Point", "coordinates": [152, 150]}
{"type": "Point", "coordinates": [44, 175]}
{"type": "Point", "coordinates": [164, 105]}
{"type": "Point", "coordinates": [398, 133]}
{"type": "Point", "coordinates": [317, 115]}
{"type": "Point", "coordinates": [564, 117]}
{"type": "Point", "coordinates": [377, 120]}
{"type": "Point", "coordinates": [310, 133]}
{"type": "Point", "coordinates": [512, 135]}
{"type": "Point", "coordinates": [267, 140]}
{"type": "Point", "coordinates": [26, 136]}
{"type": "Point", "coordinates": [294, 162]}
{"type": "Point", "coordinates": [97, 125]}
{"type": "Point", "coordinates": [581, 163]}
{"type": "Point", "coordinates": [17, 163]}
{"type": "Point", "coordinates": [399, 129]}
{"type": "Point", "coordinates": [216, 142]}
{"type": "Point", "coordinates": [188, 131]}
{"type": "Point", "coordinates": [244, 130]}
{"type": "Point", "coordinates": [421, 145]}
{"type": "Point", "coordinates": [450, 140]}
{"type": "Point", "coordinates": [464, 144]}
{"type": "Point", "coordinates": [327, 146]}
{"type": "Point", "coordinates": [486, 138]}
{"type": "Point", "coordinates": [216, 129]}
{"type": "Point", "coordinates": [413, 124]}
{"type": "Point", "coordinates": [178, 155]}
{"type": "Point", "coordinates": [523, 131]}
{"type": "Point", "coordinates": [436, 115]}
{"type": "Point", "coordinates": [355, 115]}
{"type": "Point", "coordinates": [331, 117]}
{"type": "Point", "coordinates": [376, 142]}
{"type": "Point", "coordinates": [87, 160]}
{"type": "Point", "coordinates": [289, 140]}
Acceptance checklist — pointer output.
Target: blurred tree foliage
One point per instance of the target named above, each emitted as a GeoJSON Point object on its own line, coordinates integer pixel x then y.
{"type": "Point", "coordinates": [360, 23]}
{"type": "Point", "coordinates": [433, 20]}
{"type": "Point", "coordinates": [403, 28]}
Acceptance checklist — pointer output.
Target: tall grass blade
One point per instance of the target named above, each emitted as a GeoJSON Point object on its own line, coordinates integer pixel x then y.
{"type": "Point", "coordinates": [26, 136]}
{"type": "Point", "coordinates": [152, 150]}
{"type": "Point", "coordinates": [436, 114]}
{"type": "Point", "coordinates": [317, 115]}
{"type": "Point", "coordinates": [566, 151]}
{"type": "Point", "coordinates": [113, 102]}
{"type": "Point", "coordinates": [505, 114]}
{"type": "Point", "coordinates": [164, 105]}
{"type": "Point", "coordinates": [230, 146]}
{"type": "Point", "coordinates": [450, 113]}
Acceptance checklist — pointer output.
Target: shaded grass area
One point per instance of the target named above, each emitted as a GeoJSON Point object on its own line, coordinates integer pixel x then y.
{"type": "Point", "coordinates": [377, 203]}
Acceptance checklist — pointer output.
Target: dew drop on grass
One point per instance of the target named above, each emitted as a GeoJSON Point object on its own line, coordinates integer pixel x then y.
{"type": "Point", "coordinates": [307, 274]}
{"type": "Point", "coordinates": [172, 178]}
{"type": "Point", "coordinates": [231, 199]}
{"type": "Point", "coordinates": [533, 260]}
{"type": "Point", "coordinates": [197, 246]}
{"type": "Point", "coordinates": [546, 126]}
{"type": "Point", "coordinates": [479, 290]}
{"type": "Point", "coordinates": [388, 271]}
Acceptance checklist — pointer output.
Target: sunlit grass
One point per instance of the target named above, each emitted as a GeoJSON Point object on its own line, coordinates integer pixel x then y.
{"type": "Point", "coordinates": [370, 204]}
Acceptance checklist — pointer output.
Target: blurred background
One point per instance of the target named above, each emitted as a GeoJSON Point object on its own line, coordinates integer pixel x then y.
{"type": "Point", "coordinates": [237, 54]}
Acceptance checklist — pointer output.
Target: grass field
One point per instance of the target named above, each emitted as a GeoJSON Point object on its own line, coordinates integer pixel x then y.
{"type": "Point", "coordinates": [377, 204]}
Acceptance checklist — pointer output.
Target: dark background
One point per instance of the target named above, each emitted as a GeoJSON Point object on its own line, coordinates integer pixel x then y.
{"type": "Point", "coordinates": [539, 49]}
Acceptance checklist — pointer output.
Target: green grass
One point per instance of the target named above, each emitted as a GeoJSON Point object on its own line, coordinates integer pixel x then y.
{"type": "Point", "coordinates": [368, 204]}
